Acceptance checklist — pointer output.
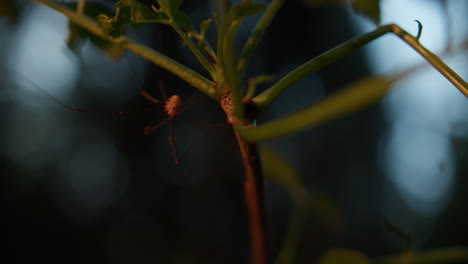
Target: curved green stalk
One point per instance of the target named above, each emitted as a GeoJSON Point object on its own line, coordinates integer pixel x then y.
{"type": "Point", "coordinates": [186, 74]}
{"type": "Point", "coordinates": [220, 42]}
{"type": "Point", "coordinates": [203, 61]}
{"type": "Point", "coordinates": [344, 102]}
{"type": "Point", "coordinates": [230, 67]}
{"type": "Point", "coordinates": [433, 59]}
{"type": "Point", "coordinates": [257, 35]}
{"type": "Point", "coordinates": [265, 98]}
{"type": "Point", "coordinates": [183, 72]}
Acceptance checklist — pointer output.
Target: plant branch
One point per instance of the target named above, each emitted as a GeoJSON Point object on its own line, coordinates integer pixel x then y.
{"type": "Point", "coordinates": [433, 59]}
{"type": "Point", "coordinates": [183, 72]}
{"type": "Point", "coordinates": [194, 79]}
{"type": "Point", "coordinates": [265, 98]}
{"type": "Point", "coordinates": [354, 97]}
{"type": "Point", "coordinates": [230, 67]}
{"type": "Point", "coordinates": [254, 198]}
{"type": "Point", "coordinates": [203, 61]}
{"type": "Point", "coordinates": [344, 102]}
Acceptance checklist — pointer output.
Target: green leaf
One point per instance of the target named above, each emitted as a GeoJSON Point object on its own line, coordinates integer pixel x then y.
{"type": "Point", "coordinates": [183, 21]}
{"type": "Point", "coordinates": [370, 8]}
{"type": "Point", "coordinates": [75, 32]}
{"type": "Point", "coordinates": [128, 12]}
{"type": "Point", "coordinates": [355, 97]}
{"type": "Point", "coordinates": [116, 51]}
{"type": "Point", "coordinates": [170, 7]}
{"type": "Point", "coordinates": [343, 255]}
{"type": "Point", "coordinates": [92, 9]}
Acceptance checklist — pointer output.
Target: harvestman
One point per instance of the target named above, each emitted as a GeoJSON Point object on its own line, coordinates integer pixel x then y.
{"type": "Point", "coordinates": [173, 106]}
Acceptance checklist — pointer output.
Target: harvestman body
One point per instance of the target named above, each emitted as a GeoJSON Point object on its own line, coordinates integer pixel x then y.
{"type": "Point", "coordinates": [172, 107]}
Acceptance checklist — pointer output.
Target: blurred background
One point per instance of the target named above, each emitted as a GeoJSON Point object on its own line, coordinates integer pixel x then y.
{"type": "Point", "coordinates": [91, 187]}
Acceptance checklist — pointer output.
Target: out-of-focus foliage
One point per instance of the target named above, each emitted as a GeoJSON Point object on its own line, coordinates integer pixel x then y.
{"type": "Point", "coordinates": [370, 8]}
{"type": "Point", "coordinates": [280, 171]}
{"type": "Point", "coordinates": [344, 102]}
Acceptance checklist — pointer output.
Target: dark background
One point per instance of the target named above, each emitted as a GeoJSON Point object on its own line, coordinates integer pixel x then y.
{"type": "Point", "coordinates": [60, 208]}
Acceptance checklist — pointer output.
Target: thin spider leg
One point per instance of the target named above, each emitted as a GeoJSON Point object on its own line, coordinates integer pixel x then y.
{"type": "Point", "coordinates": [143, 92]}
{"type": "Point", "coordinates": [132, 70]}
{"type": "Point", "coordinates": [152, 127]}
{"type": "Point", "coordinates": [151, 98]}
{"type": "Point", "coordinates": [173, 142]}
{"type": "Point", "coordinates": [72, 108]}
{"type": "Point", "coordinates": [194, 98]}
{"type": "Point", "coordinates": [190, 102]}
{"type": "Point", "coordinates": [162, 90]}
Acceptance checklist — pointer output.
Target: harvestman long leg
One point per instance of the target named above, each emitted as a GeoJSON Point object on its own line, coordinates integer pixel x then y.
{"type": "Point", "coordinates": [72, 108]}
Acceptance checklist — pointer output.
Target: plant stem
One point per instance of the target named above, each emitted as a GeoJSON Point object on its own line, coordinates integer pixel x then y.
{"type": "Point", "coordinates": [433, 59]}
{"type": "Point", "coordinates": [203, 61]}
{"type": "Point", "coordinates": [344, 102]}
{"type": "Point", "coordinates": [254, 198]}
{"type": "Point", "coordinates": [230, 62]}
{"type": "Point", "coordinates": [324, 59]}
{"type": "Point", "coordinates": [183, 72]}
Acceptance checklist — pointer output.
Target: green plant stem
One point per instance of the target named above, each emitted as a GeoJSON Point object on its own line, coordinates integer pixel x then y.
{"type": "Point", "coordinates": [254, 198]}
{"type": "Point", "coordinates": [220, 40]}
{"type": "Point", "coordinates": [203, 61]}
{"type": "Point", "coordinates": [344, 102]}
{"type": "Point", "coordinates": [265, 98]}
{"type": "Point", "coordinates": [183, 72]}
{"type": "Point", "coordinates": [186, 74]}
{"type": "Point", "coordinates": [354, 97]}
{"type": "Point", "coordinates": [433, 59]}
{"type": "Point", "coordinates": [257, 35]}
{"type": "Point", "coordinates": [230, 62]}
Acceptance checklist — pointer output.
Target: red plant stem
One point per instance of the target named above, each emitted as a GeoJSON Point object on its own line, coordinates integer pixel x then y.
{"type": "Point", "coordinates": [254, 198]}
